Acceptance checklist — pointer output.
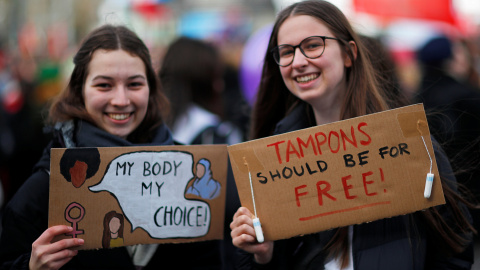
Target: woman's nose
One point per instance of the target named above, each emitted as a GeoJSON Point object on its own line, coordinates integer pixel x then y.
{"type": "Point", "coordinates": [299, 60]}
{"type": "Point", "coordinates": [120, 96]}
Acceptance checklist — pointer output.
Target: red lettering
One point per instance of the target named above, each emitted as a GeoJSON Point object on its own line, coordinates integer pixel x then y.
{"type": "Point", "coordinates": [365, 183]}
{"type": "Point", "coordinates": [346, 187]}
{"type": "Point", "coordinates": [334, 139]}
{"type": "Point", "coordinates": [349, 185]}
{"type": "Point", "coordinates": [322, 142]}
{"type": "Point", "coordinates": [291, 150]}
{"type": "Point", "coordinates": [299, 194]}
{"type": "Point", "coordinates": [324, 191]}
{"type": "Point", "coordinates": [330, 141]}
{"type": "Point", "coordinates": [345, 138]}
{"type": "Point", "coordinates": [302, 143]}
{"type": "Point", "coordinates": [382, 178]}
{"type": "Point", "coordinates": [277, 150]}
{"type": "Point", "coordinates": [367, 142]}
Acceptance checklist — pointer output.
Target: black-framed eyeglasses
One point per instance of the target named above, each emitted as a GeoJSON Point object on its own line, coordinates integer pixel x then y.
{"type": "Point", "coordinates": [312, 47]}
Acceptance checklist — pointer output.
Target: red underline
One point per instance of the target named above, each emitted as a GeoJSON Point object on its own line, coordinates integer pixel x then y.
{"type": "Point", "coordinates": [343, 210]}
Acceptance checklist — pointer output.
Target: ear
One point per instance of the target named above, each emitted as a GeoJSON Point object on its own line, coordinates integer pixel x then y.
{"type": "Point", "coordinates": [353, 48]}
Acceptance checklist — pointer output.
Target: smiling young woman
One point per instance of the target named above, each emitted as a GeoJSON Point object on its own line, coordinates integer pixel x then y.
{"type": "Point", "coordinates": [116, 91]}
{"type": "Point", "coordinates": [113, 99]}
{"type": "Point", "coordinates": [317, 71]}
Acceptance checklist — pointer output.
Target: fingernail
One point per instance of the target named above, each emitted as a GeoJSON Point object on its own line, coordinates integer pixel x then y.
{"type": "Point", "coordinates": [80, 241]}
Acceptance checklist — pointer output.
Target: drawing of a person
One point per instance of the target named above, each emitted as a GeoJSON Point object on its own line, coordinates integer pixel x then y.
{"type": "Point", "coordinates": [113, 230]}
{"type": "Point", "coordinates": [77, 165]}
{"type": "Point", "coordinates": [204, 185]}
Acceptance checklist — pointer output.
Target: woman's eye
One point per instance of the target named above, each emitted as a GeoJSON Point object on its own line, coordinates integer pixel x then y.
{"type": "Point", "coordinates": [102, 85]}
{"type": "Point", "coordinates": [136, 84]}
{"type": "Point", "coordinates": [286, 52]}
{"type": "Point", "coordinates": [313, 46]}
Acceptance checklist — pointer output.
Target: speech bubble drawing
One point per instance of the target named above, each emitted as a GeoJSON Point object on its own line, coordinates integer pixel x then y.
{"type": "Point", "coordinates": [150, 188]}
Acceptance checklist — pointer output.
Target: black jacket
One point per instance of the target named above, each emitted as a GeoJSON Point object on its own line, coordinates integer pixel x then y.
{"type": "Point", "coordinates": [453, 109]}
{"type": "Point", "coordinates": [26, 217]}
{"type": "Point", "coordinates": [401, 242]}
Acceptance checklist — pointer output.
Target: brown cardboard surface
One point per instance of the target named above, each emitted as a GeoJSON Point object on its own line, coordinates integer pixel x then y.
{"type": "Point", "coordinates": [348, 172]}
{"type": "Point", "coordinates": [155, 190]}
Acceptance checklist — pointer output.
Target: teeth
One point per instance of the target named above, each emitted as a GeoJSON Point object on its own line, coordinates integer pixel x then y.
{"type": "Point", "coordinates": [119, 116]}
{"type": "Point", "coordinates": [307, 78]}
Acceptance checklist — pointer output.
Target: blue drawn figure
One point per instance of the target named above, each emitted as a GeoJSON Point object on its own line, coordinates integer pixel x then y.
{"type": "Point", "coordinates": [204, 185]}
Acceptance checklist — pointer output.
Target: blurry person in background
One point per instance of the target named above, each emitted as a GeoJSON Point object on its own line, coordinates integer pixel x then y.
{"type": "Point", "coordinates": [192, 75]}
{"type": "Point", "coordinates": [386, 71]}
{"type": "Point", "coordinates": [453, 108]}
{"type": "Point", "coordinates": [113, 99]}
{"type": "Point", "coordinates": [462, 65]}
{"type": "Point", "coordinates": [21, 129]}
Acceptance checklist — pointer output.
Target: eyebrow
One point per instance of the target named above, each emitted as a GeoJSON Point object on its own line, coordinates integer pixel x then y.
{"type": "Point", "coordinates": [98, 77]}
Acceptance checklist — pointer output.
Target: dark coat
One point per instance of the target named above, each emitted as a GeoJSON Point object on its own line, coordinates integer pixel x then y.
{"type": "Point", "coordinates": [26, 217]}
{"type": "Point", "coordinates": [453, 113]}
{"type": "Point", "coordinates": [401, 242]}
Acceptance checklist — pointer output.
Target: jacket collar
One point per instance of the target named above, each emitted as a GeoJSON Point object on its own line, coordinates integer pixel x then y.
{"type": "Point", "coordinates": [83, 134]}
{"type": "Point", "coordinates": [295, 120]}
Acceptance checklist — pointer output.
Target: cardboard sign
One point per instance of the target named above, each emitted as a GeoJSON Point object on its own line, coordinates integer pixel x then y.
{"type": "Point", "coordinates": [348, 172]}
{"type": "Point", "coordinates": [119, 196]}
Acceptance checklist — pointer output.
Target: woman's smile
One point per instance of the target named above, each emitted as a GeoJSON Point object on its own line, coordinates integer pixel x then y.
{"type": "Point", "coordinates": [119, 116]}
{"type": "Point", "coordinates": [307, 78]}
{"type": "Point", "coordinates": [116, 91]}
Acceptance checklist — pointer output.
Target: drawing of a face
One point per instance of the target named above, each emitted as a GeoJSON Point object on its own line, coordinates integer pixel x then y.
{"type": "Point", "coordinates": [114, 226]}
{"type": "Point", "coordinates": [79, 164]}
{"type": "Point", "coordinates": [200, 170]}
{"type": "Point", "coordinates": [78, 173]}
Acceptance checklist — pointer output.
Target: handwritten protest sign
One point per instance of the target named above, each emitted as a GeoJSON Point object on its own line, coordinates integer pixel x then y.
{"type": "Point", "coordinates": [339, 174]}
{"type": "Point", "coordinates": [123, 196]}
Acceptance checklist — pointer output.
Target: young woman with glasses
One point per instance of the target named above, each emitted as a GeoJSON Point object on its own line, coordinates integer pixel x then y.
{"type": "Point", "coordinates": [317, 71]}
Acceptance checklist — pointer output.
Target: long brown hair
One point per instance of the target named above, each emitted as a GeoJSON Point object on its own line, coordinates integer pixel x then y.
{"type": "Point", "coordinates": [69, 104]}
{"type": "Point", "coordinates": [363, 96]}
{"type": "Point", "coordinates": [274, 100]}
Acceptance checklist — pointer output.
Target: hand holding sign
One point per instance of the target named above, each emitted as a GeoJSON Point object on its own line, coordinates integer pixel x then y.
{"type": "Point", "coordinates": [348, 172]}
{"type": "Point", "coordinates": [54, 255]}
{"type": "Point", "coordinates": [245, 237]}
{"type": "Point", "coordinates": [148, 188]}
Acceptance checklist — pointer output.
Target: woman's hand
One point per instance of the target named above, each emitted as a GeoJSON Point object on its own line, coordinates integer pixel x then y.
{"type": "Point", "coordinates": [243, 237]}
{"type": "Point", "coordinates": [47, 255]}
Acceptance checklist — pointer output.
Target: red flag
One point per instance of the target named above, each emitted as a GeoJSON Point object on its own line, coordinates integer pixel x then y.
{"type": "Point", "coordinates": [437, 10]}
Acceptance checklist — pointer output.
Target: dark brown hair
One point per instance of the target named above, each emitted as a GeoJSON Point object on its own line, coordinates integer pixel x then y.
{"type": "Point", "coordinates": [274, 100]}
{"type": "Point", "coordinates": [70, 104]}
{"type": "Point", "coordinates": [363, 96]}
{"type": "Point", "coordinates": [189, 71]}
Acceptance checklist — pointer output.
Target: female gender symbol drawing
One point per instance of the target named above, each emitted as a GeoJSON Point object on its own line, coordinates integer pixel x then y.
{"type": "Point", "coordinates": [74, 220]}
